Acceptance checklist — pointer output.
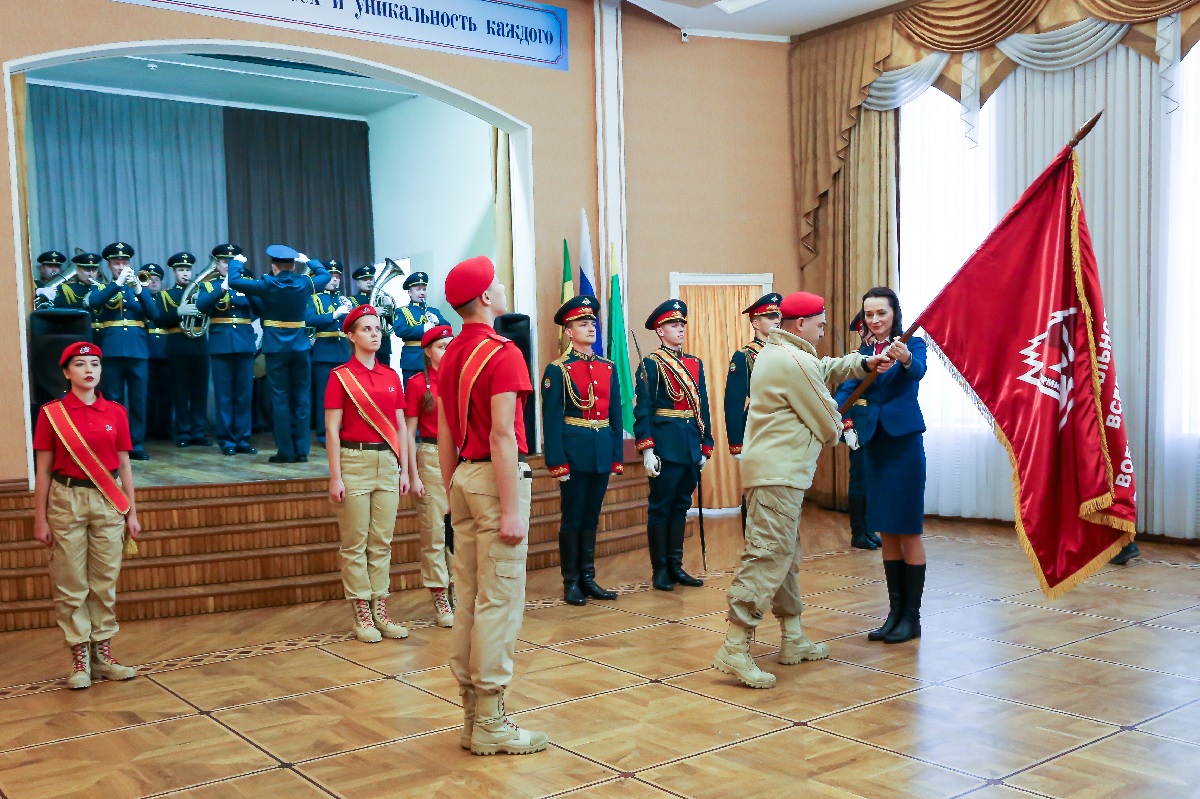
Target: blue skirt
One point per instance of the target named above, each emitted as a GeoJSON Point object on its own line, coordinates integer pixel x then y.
{"type": "Point", "coordinates": [895, 477]}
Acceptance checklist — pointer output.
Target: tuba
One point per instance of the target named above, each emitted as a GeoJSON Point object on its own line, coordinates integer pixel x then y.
{"type": "Point", "coordinates": [196, 326]}
{"type": "Point", "coordinates": [41, 303]}
{"type": "Point", "coordinates": [382, 300]}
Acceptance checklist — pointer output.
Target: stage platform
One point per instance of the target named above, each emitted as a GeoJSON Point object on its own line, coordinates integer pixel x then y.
{"type": "Point", "coordinates": [170, 465]}
{"type": "Point", "coordinates": [1005, 696]}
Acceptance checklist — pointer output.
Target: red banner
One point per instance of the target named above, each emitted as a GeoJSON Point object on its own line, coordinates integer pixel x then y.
{"type": "Point", "coordinates": [1022, 326]}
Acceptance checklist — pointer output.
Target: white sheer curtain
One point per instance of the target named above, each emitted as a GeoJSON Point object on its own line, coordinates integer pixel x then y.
{"type": "Point", "coordinates": [947, 207]}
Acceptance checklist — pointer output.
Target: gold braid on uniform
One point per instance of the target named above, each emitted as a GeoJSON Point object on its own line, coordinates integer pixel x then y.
{"type": "Point", "coordinates": [752, 349]}
{"type": "Point", "coordinates": [569, 388]}
{"type": "Point", "coordinates": [686, 382]}
{"type": "Point", "coordinates": [225, 301]}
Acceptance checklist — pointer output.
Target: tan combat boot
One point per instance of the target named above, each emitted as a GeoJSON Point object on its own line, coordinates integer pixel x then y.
{"type": "Point", "coordinates": [441, 604]}
{"type": "Point", "coordinates": [495, 734]}
{"type": "Point", "coordinates": [387, 627]}
{"type": "Point", "coordinates": [734, 659]}
{"type": "Point", "coordinates": [364, 624]}
{"type": "Point", "coordinates": [796, 648]}
{"type": "Point", "coordinates": [468, 702]}
{"type": "Point", "coordinates": [81, 668]}
{"type": "Point", "coordinates": [106, 666]}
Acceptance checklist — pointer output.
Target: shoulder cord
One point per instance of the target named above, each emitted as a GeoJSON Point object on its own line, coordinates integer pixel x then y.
{"type": "Point", "coordinates": [570, 391]}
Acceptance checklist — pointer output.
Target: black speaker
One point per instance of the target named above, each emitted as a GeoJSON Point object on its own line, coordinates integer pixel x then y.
{"type": "Point", "coordinates": [516, 327]}
{"type": "Point", "coordinates": [49, 334]}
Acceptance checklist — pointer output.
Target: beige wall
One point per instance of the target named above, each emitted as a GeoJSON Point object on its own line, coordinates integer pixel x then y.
{"type": "Point", "coordinates": [708, 160]}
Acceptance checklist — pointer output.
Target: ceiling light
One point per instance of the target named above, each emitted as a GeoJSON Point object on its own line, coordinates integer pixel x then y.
{"type": "Point", "coordinates": [734, 6]}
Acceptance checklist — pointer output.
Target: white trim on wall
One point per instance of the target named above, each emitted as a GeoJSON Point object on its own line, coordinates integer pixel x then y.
{"type": "Point", "coordinates": [764, 279]}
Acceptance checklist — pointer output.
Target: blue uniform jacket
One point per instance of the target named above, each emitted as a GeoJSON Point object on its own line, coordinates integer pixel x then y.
{"type": "Point", "coordinates": [737, 394]}
{"type": "Point", "coordinates": [71, 294]}
{"type": "Point", "coordinates": [228, 337]}
{"type": "Point", "coordinates": [410, 326]}
{"type": "Point", "coordinates": [331, 345]}
{"type": "Point", "coordinates": [573, 447]}
{"type": "Point", "coordinates": [178, 342]}
{"type": "Point", "coordinates": [284, 298]}
{"type": "Point", "coordinates": [891, 401]}
{"type": "Point", "coordinates": [674, 438]}
{"type": "Point", "coordinates": [121, 319]}
{"type": "Point", "coordinates": [385, 348]}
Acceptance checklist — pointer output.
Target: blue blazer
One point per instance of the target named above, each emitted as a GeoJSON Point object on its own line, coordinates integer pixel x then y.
{"type": "Point", "coordinates": [891, 399]}
{"type": "Point", "coordinates": [331, 346]}
{"type": "Point", "coordinates": [228, 338]}
{"type": "Point", "coordinates": [284, 298]}
{"type": "Point", "coordinates": [410, 326]}
{"type": "Point", "coordinates": [114, 307]}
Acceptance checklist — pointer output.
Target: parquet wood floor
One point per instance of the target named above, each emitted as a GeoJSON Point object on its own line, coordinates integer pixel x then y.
{"type": "Point", "coordinates": [1005, 695]}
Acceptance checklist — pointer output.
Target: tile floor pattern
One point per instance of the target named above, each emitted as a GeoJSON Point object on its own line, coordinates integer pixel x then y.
{"type": "Point", "coordinates": [1005, 696]}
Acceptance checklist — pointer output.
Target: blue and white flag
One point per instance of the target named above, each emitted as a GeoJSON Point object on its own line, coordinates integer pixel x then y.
{"type": "Point", "coordinates": [587, 275]}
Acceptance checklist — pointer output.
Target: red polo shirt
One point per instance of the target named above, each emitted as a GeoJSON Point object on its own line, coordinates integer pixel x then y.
{"type": "Point", "coordinates": [414, 394]}
{"type": "Point", "coordinates": [382, 385]}
{"type": "Point", "coordinates": [505, 372]}
{"type": "Point", "coordinates": [103, 425]}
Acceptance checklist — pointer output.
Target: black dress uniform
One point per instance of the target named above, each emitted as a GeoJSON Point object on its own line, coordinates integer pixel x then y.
{"type": "Point", "coordinates": [741, 367]}
{"type": "Point", "coordinates": [285, 345]}
{"type": "Point", "coordinates": [671, 415]}
{"type": "Point", "coordinates": [121, 314]}
{"type": "Point", "coordinates": [50, 258]}
{"type": "Point", "coordinates": [158, 396]}
{"type": "Point", "coordinates": [231, 349]}
{"type": "Point", "coordinates": [331, 348]}
{"type": "Point", "coordinates": [411, 322]}
{"type": "Point", "coordinates": [856, 489]}
{"type": "Point", "coordinates": [189, 368]}
{"type": "Point", "coordinates": [581, 421]}
{"type": "Point", "coordinates": [364, 298]}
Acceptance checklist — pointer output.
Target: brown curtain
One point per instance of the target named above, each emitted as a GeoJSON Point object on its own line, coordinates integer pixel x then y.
{"type": "Point", "coordinates": [20, 105]}
{"type": "Point", "coordinates": [1133, 11]}
{"type": "Point", "coordinates": [502, 202]}
{"type": "Point", "coordinates": [857, 244]}
{"type": "Point", "coordinates": [716, 328]}
{"type": "Point", "coordinates": [830, 76]}
{"type": "Point", "coordinates": [959, 25]}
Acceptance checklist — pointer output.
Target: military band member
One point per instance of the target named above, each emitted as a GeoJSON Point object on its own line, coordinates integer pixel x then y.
{"type": "Point", "coordinates": [188, 356]}
{"type": "Point", "coordinates": [482, 387]}
{"type": "Point", "coordinates": [413, 321]}
{"type": "Point", "coordinates": [50, 264]}
{"type": "Point", "coordinates": [74, 292]}
{"type": "Point", "coordinates": [368, 456]}
{"type": "Point", "coordinates": [81, 443]}
{"type": "Point", "coordinates": [364, 280]}
{"type": "Point", "coordinates": [581, 421]}
{"type": "Point", "coordinates": [284, 297]}
{"type": "Point", "coordinates": [792, 417]}
{"type": "Point", "coordinates": [231, 350]}
{"type": "Point", "coordinates": [324, 313]}
{"type": "Point", "coordinates": [420, 399]}
{"type": "Point", "coordinates": [123, 311]}
{"type": "Point", "coordinates": [674, 435]}
{"type": "Point", "coordinates": [764, 317]}
{"type": "Point", "coordinates": [158, 400]}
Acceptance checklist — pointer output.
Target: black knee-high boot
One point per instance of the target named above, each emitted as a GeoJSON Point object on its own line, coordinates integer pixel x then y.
{"type": "Point", "coordinates": [675, 559]}
{"type": "Point", "coordinates": [893, 570]}
{"type": "Point", "coordinates": [909, 626]}
{"type": "Point", "coordinates": [587, 568]}
{"type": "Point", "coordinates": [657, 537]}
{"type": "Point", "coordinates": [568, 559]}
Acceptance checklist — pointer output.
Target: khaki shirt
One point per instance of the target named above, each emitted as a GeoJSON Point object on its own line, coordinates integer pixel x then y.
{"type": "Point", "coordinates": [792, 413]}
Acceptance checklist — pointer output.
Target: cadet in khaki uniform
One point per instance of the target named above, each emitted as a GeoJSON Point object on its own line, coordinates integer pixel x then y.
{"type": "Point", "coordinates": [482, 386]}
{"type": "Point", "coordinates": [81, 512]}
{"type": "Point", "coordinates": [420, 399]}
{"type": "Point", "coordinates": [792, 417]}
{"type": "Point", "coordinates": [364, 414]}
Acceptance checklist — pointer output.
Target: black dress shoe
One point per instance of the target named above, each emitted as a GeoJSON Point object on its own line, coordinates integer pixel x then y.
{"type": "Point", "coordinates": [277, 458]}
{"type": "Point", "coordinates": [862, 541]}
{"type": "Point", "coordinates": [245, 449]}
{"type": "Point", "coordinates": [139, 455]}
{"type": "Point", "coordinates": [228, 451]}
{"type": "Point", "coordinates": [1127, 553]}
{"type": "Point", "coordinates": [301, 459]}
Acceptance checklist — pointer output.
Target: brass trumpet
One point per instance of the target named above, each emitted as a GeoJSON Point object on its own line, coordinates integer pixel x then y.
{"type": "Point", "coordinates": [144, 278]}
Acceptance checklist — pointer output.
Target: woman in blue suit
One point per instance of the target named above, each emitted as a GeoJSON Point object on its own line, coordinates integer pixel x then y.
{"type": "Point", "coordinates": [890, 426]}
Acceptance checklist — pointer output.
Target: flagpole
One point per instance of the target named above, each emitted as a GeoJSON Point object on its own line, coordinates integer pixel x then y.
{"type": "Point", "coordinates": [1079, 136]}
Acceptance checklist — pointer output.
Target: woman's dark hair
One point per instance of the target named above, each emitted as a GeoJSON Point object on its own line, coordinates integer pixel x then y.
{"type": "Point", "coordinates": [427, 401]}
{"type": "Point", "coordinates": [883, 292]}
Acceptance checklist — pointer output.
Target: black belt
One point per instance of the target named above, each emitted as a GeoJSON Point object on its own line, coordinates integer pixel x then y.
{"type": "Point", "coordinates": [73, 482]}
{"type": "Point", "coordinates": [374, 446]}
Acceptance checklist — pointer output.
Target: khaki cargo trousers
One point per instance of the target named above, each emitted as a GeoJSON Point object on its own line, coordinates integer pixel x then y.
{"type": "Point", "coordinates": [431, 519]}
{"type": "Point", "coordinates": [769, 574]}
{"type": "Point", "coordinates": [89, 539]}
{"type": "Point", "coordinates": [367, 519]}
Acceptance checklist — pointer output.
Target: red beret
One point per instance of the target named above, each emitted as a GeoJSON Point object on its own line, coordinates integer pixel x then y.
{"type": "Point", "coordinates": [469, 279]}
{"type": "Point", "coordinates": [800, 305]}
{"type": "Point", "coordinates": [358, 312]}
{"type": "Point", "coordinates": [79, 348]}
{"type": "Point", "coordinates": [436, 334]}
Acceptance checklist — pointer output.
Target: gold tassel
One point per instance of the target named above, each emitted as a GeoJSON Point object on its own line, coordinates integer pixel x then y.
{"type": "Point", "coordinates": [131, 547]}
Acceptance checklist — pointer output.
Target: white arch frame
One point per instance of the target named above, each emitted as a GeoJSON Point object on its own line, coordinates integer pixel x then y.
{"type": "Point", "coordinates": [520, 155]}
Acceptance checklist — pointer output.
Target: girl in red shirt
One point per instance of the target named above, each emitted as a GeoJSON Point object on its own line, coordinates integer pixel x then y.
{"type": "Point", "coordinates": [73, 515]}
{"type": "Point", "coordinates": [364, 414]}
{"type": "Point", "coordinates": [432, 506]}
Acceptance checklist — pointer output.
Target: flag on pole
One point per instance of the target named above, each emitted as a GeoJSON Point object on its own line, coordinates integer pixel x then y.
{"type": "Point", "coordinates": [587, 275]}
{"type": "Point", "coordinates": [618, 344]}
{"type": "Point", "coordinates": [1022, 326]}
{"type": "Point", "coordinates": [568, 290]}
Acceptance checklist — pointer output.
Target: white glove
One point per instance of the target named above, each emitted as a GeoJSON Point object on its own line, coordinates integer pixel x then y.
{"type": "Point", "coordinates": [850, 436]}
{"type": "Point", "coordinates": [49, 292]}
{"type": "Point", "coordinates": [125, 277]}
{"type": "Point", "coordinates": [189, 309]}
{"type": "Point", "coordinates": [430, 324]}
{"type": "Point", "coordinates": [738, 456]}
{"type": "Point", "coordinates": [651, 462]}
{"type": "Point", "coordinates": [564, 478]}
{"type": "Point", "coordinates": [225, 283]}
{"type": "Point", "coordinates": [340, 311]}
{"type": "Point", "coordinates": [301, 258]}
{"type": "Point", "coordinates": [137, 287]}
{"type": "Point", "coordinates": [703, 460]}
{"type": "Point", "coordinates": [240, 258]}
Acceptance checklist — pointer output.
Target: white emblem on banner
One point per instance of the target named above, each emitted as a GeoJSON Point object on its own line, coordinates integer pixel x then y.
{"type": "Point", "coordinates": [1050, 357]}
